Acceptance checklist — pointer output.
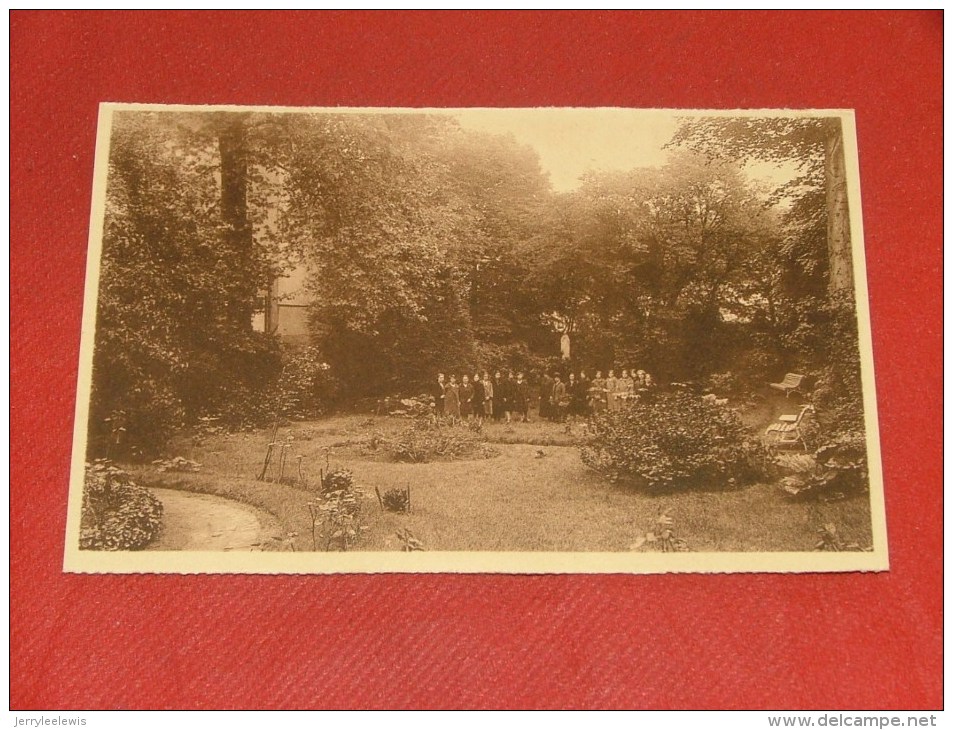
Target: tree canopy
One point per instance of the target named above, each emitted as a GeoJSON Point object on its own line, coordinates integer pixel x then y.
{"type": "Point", "coordinates": [430, 247]}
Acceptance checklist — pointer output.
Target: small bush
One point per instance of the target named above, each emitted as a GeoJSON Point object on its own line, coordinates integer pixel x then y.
{"type": "Point", "coordinates": [232, 381]}
{"type": "Point", "coordinates": [395, 500]}
{"type": "Point", "coordinates": [146, 421]}
{"type": "Point", "coordinates": [757, 364]}
{"type": "Point", "coordinates": [662, 537]}
{"type": "Point", "coordinates": [433, 439]}
{"type": "Point", "coordinates": [337, 479]}
{"type": "Point", "coordinates": [339, 513]}
{"type": "Point", "coordinates": [674, 441]}
{"type": "Point", "coordinates": [117, 514]}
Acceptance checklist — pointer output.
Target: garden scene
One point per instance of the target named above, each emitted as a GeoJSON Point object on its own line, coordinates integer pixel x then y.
{"type": "Point", "coordinates": [479, 330]}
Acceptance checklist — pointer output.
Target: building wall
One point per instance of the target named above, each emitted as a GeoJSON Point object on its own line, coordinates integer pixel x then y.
{"type": "Point", "coordinates": [288, 309]}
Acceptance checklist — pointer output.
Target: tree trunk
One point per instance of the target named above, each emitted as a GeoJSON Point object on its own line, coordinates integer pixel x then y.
{"type": "Point", "coordinates": [233, 149]}
{"type": "Point", "coordinates": [841, 280]}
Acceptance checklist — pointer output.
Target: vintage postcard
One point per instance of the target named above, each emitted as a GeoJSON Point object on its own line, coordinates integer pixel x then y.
{"type": "Point", "coordinates": [325, 340]}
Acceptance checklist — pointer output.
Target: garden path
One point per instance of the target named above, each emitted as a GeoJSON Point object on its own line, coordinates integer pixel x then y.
{"type": "Point", "coordinates": [192, 521]}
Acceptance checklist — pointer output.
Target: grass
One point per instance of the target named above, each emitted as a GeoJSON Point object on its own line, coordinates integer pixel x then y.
{"type": "Point", "coordinates": [515, 501]}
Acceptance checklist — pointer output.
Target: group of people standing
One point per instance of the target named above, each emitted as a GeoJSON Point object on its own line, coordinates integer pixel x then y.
{"type": "Point", "coordinates": [509, 398]}
{"type": "Point", "coordinates": [483, 397]}
{"type": "Point", "coordinates": [580, 396]}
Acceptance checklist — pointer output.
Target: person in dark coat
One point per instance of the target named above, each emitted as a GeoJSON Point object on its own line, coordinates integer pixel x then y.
{"type": "Point", "coordinates": [499, 396]}
{"type": "Point", "coordinates": [521, 398]}
{"type": "Point", "coordinates": [546, 396]}
{"type": "Point", "coordinates": [479, 395]}
{"type": "Point", "coordinates": [626, 388]}
{"type": "Point", "coordinates": [452, 400]}
{"type": "Point", "coordinates": [577, 393]}
{"type": "Point", "coordinates": [466, 398]}
{"type": "Point", "coordinates": [584, 386]}
{"type": "Point", "coordinates": [439, 392]}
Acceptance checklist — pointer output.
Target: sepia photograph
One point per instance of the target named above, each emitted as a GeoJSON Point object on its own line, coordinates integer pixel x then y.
{"type": "Point", "coordinates": [541, 340]}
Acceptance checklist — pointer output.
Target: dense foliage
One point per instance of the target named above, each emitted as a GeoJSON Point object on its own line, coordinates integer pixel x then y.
{"type": "Point", "coordinates": [810, 319]}
{"type": "Point", "coordinates": [117, 513]}
{"type": "Point", "coordinates": [171, 343]}
{"type": "Point", "coordinates": [408, 249]}
{"type": "Point", "coordinates": [305, 387]}
{"type": "Point", "coordinates": [656, 268]}
{"type": "Point", "coordinates": [673, 441]}
{"type": "Point", "coordinates": [429, 247]}
{"type": "Point", "coordinates": [839, 436]}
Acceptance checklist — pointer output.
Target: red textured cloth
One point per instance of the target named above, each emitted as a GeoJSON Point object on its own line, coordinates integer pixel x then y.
{"type": "Point", "coordinates": [678, 641]}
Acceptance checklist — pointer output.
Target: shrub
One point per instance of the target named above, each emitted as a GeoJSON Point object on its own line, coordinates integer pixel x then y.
{"type": "Point", "coordinates": [232, 378]}
{"type": "Point", "coordinates": [434, 439]}
{"type": "Point", "coordinates": [394, 500]}
{"type": "Point", "coordinates": [722, 383]}
{"type": "Point", "coordinates": [674, 441]}
{"type": "Point", "coordinates": [340, 514]}
{"type": "Point", "coordinates": [134, 422]}
{"type": "Point", "coordinates": [306, 387]}
{"type": "Point", "coordinates": [336, 479]}
{"type": "Point", "coordinates": [117, 514]}
{"type": "Point", "coordinates": [136, 406]}
{"type": "Point", "coordinates": [841, 471]}
{"type": "Point", "coordinates": [514, 357]}
{"type": "Point", "coordinates": [758, 362]}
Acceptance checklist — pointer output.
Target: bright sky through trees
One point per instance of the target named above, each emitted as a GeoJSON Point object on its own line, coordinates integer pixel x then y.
{"type": "Point", "coordinates": [570, 142]}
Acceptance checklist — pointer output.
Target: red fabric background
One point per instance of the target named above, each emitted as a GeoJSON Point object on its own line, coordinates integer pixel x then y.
{"type": "Point", "coordinates": [678, 641]}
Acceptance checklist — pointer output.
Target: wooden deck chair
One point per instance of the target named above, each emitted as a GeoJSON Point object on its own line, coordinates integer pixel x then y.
{"type": "Point", "coordinates": [787, 429]}
{"type": "Point", "coordinates": [791, 382]}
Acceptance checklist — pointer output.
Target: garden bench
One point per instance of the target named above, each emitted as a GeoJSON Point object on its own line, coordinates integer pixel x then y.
{"type": "Point", "coordinates": [791, 381]}
{"type": "Point", "coordinates": [787, 429]}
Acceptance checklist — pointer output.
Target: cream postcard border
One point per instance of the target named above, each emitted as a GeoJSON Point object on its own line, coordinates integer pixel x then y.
{"type": "Point", "coordinates": [91, 561]}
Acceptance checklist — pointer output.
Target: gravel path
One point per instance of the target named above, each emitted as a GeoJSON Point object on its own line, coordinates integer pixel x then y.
{"type": "Point", "coordinates": [192, 521]}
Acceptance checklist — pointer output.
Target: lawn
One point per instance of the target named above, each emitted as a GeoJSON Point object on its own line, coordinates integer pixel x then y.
{"type": "Point", "coordinates": [534, 494]}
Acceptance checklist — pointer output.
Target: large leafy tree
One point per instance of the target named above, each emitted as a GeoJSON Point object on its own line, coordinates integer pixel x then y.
{"type": "Point", "coordinates": [643, 267]}
{"type": "Point", "coordinates": [368, 208]}
{"type": "Point", "coordinates": [173, 317]}
{"type": "Point", "coordinates": [823, 330]}
{"type": "Point", "coordinates": [501, 187]}
{"type": "Point", "coordinates": [408, 224]}
{"type": "Point", "coordinates": [815, 146]}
